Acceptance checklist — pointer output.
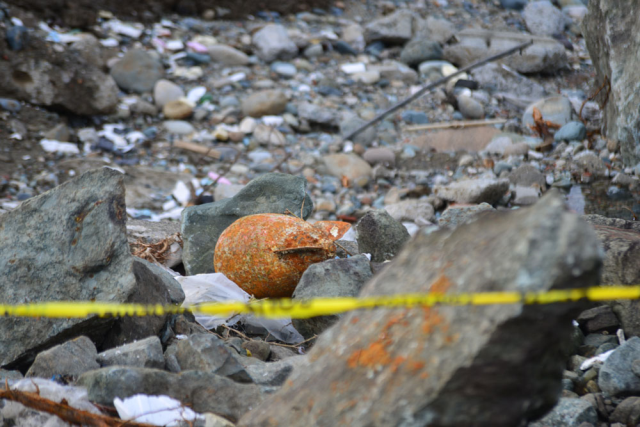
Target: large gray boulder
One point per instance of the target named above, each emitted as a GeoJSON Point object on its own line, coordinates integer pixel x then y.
{"type": "Point", "coordinates": [201, 391]}
{"type": "Point", "coordinates": [452, 366]}
{"type": "Point", "coordinates": [202, 225]}
{"type": "Point", "coordinates": [64, 80]}
{"type": "Point", "coordinates": [69, 243]}
{"type": "Point", "coordinates": [610, 33]}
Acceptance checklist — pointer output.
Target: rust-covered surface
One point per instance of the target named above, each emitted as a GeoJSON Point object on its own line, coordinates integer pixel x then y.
{"type": "Point", "coordinates": [266, 254]}
{"type": "Point", "coordinates": [334, 229]}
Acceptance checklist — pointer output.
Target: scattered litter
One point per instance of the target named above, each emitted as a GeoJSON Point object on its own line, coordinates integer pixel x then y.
{"type": "Point", "coordinates": [221, 180]}
{"type": "Point", "coordinates": [357, 67]}
{"type": "Point", "coordinates": [126, 30]}
{"type": "Point", "coordinates": [157, 410]}
{"type": "Point", "coordinates": [272, 120]}
{"type": "Point", "coordinates": [598, 359]}
{"type": "Point", "coordinates": [182, 193]}
{"type": "Point", "coordinates": [53, 146]}
{"type": "Point", "coordinates": [196, 94]}
{"type": "Point", "coordinates": [216, 287]}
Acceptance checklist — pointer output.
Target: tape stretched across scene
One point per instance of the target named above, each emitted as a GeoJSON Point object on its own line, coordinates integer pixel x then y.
{"type": "Point", "coordinates": [278, 308]}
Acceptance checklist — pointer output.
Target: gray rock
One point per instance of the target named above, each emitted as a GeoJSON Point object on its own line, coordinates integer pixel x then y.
{"type": "Point", "coordinates": [48, 78]}
{"type": "Point", "coordinates": [201, 391]}
{"type": "Point", "coordinates": [137, 71]}
{"type": "Point", "coordinates": [143, 185]}
{"type": "Point", "coordinates": [264, 103]}
{"type": "Point", "coordinates": [616, 374]}
{"type": "Point", "coordinates": [620, 240]}
{"type": "Point", "coordinates": [154, 285]}
{"type": "Point", "coordinates": [454, 216]}
{"type": "Point", "coordinates": [556, 109]}
{"type": "Point", "coordinates": [523, 196]}
{"type": "Point", "coordinates": [146, 353]}
{"type": "Point", "coordinates": [165, 91]}
{"type": "Point", "coordinates": [258, 349]}
{"type": "Point", "coordinates": [572, 131]}
{"type": "Point", "coordinates": [227, 55]}
{"type": "Point", "coordinates": [59, 132]}
{"type": "Point", "coordinates": [470, 108]}
{"type": "Point", "coordinates": [202, 225]}
{"type": "Point", "coordinates": [226, 191]}
{"type": "Point", "coordinates": [351, 122]}
{"type": "Point", "coordinates": [415, 210]}
{"type": "Point", "coordinates": [276, 373]}
{"type": "Point", "coordinates": [420, 50]}
{"type": "Point", "coordinates": [437, 29]}
{"type": "Point", "coordinates": [76, 243]}
{"type": "Point", "coordinates": [545, 55]}
{"type": "Point", "coordinates": [207, 352]}
{"type": "Point", "coordinates": [392, 70]}
{"type": "Point", "coordinates": [150, 232]}
{"type": "Point", "coordinates": [598, 319]}
{"type": "Point", "coordinates": [527, 176]}
{"type": "Point", "coordinates": [380, 155]}
{"type": "Point", "coordinates": [473, 191]}
{"type": "Point", "coordinates": [589, 162]}
{"type": "Point", "coordinates": [316, 114]}
{"type": "Point", "coordinates": [178, 127]}
{"type": "Point", "coordinates": [396, 28]}
{"type": "Point", "coordinates": [313, 50]}
{"type": "Point", "coordinates": [350, 165]}
{"type": "Point", "coordinates": [627, 413]}
{"type": "Point", "coordinates": [90, 49]}
{"type": "Point", "coordinates": [514, 4]}
{"type": "Point", "coordinates": [609, 31]}
{"type": "Point", "coordinates": [284, 69]}
{"type": "Point", "coordinates": [380, 235]}
{"type": "Point", "coordinates": [543, 18]}
{"type": "Point", "coordinates": [332, 278]}
{"type": "Point", "coordinates": [500, 79]}
{"type": "Point", "coordinates": [569, 412]}
{"type": "Point", "coordinates": [272, 42]}
{"type": "Point", "coordinates": [10, 375]}
{"type": "Point", "coordinates": [438, 366]}
{"type": "Point", "coordinates": [72, 358]}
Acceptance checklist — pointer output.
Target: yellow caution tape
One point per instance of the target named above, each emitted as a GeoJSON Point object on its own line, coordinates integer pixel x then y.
{"type": "Point", "coordinates": [278, 308]}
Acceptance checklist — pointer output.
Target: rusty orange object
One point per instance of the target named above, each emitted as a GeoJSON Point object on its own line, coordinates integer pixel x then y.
{"type": "Point", "coordinates": [334, 229]}
{"type": "Point", "coordinates": [266, 254]}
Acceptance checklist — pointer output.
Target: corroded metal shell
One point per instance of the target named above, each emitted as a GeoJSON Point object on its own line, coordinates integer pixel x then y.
{"type": "Point", "coordinates": [334, 229]}
{"type": "Point", "coordinates": [266, 254]}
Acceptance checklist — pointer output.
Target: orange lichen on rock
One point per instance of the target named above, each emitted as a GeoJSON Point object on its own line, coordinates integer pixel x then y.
{"type": "Point", "coordinates": [441, 285]}
{"type": "Point", "coordinates": [371, 357]}
{"type": "Point", "coordinates": [334, 229]}
{"type": "Point", "coordinates": [431, 320]}
{"type": "Point", "coordinates": [266, 254]}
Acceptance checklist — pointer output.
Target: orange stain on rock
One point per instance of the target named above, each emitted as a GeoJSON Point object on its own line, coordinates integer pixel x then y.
{"type": "Point", "coordinates": [441, 285]}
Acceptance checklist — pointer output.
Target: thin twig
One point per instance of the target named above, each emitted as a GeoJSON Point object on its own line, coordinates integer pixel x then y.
{"type": "Point", "coordinates": [437, 83]}
{"type": "Point", "coordinates": [606, 97]}
{"type": "Point", "coordinates": [65, 412]}
{"type": "Point", "coordinates": [271, 343]}
{"type": "Point", "coordinates": [460, 124]}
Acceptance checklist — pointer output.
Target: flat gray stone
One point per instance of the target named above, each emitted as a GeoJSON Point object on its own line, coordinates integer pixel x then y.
{"type": "Point", "coordinates": [272, 42]}
{"type": "Point", "coordinates": [396, 28]}
{"type": "Point", "coordinates": [569, 412]}
{"type": "Point", "coordinates": [146, 353]}
{"type": "Point", "coordinates": [473, 190]}
{"type": "Point", "coordinates": [202, 225]}
{"type": "Point", "coordinates": [72, 358]}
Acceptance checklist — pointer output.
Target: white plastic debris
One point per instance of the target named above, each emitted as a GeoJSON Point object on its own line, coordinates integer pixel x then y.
{"type": "Point", "coordinates": [109, 42]}
{"type": "Point", "coordinates": [597, 359]}
{"type": "Point", "coordinates": [53, 146]}
{"type": "Point", "coordinates": [237, 77]}
{"type": "Point", "coordinates": [174, 45]}
{"type": "Point", "coordinates": [353, 68]}
{"type": "Point", "coordinates": [412, 228]}
{"type": "Point", "coordinates": [272, 120]}
{"type": "Point", "coordinates": [75, 397]}
{"type": "Point", "coordinates": [216, 287]}
{"type": "Point", "coordinates": [124, 29]}
{"type": "Point", "coordinates": [621, 338]}
{"type": "Point", "coordinates": [157, 410]}
{"type": "Point", "coordinates": [182, 193]}
{"type": "Point", "coordinates": [196, 94]}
